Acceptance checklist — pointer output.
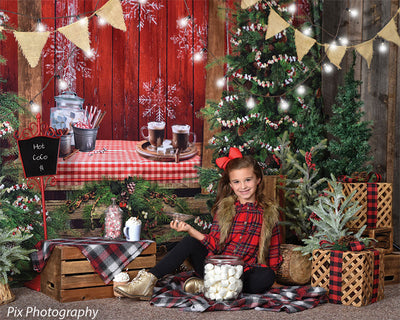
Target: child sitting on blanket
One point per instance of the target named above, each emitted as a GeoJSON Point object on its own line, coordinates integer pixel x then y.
{"type": "Point", "coordinates": [244, 225]}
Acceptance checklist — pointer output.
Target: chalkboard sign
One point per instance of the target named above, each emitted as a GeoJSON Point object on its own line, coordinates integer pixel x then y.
{"type": "Point", "coordinates": [39, 156]}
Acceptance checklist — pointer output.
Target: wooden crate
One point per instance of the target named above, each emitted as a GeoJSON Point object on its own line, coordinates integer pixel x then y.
{"type": "Point", "coordinates": [392, 268]}
{"type": "Point", "coordinates": [357, 275]}
{"type": "Point", "coordinates": [69, 276]}
{"type": "Point", "coordinates": [383, 237]}
{"type": "Point", "coordinates": [384, 204]}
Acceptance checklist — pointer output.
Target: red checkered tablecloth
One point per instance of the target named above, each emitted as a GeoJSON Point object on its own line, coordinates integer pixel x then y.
{"type": "Point", "coordinates": [120, 161]}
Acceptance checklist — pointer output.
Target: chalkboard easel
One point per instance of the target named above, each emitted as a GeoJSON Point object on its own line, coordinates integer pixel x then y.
{"type": "Point", "coordinates": [38, 147]}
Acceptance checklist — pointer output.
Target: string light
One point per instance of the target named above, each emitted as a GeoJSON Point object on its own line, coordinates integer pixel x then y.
{"type": "Point", "coordinates": [35, 108]}
{"type": "Point", "coordinates": [343, 41]}
{"type": "Point", "coordinates": [183, 22]}
{"type": "Point", "coordinates": [353, 13]}
{"type": "Point", "coordinates": [383, 47]}
{"type": "Point", "coordinates": [307, 31]}
{"type": "Point", "coordinates": [198, 56]}
{"type": "Point", "coordinates": [62, 84]}
{"type": "Point", "coordinates": [301, 90]}
{"type": "Point", "coordinates": [142, 1]}
{"type": "Point", "coordinates": [221, 82]}
{"type": "Point", "coordinates": [40, 27]}
{"type": "Point", "coordinates": [333, 45]}
{"type": "Point", "coordinates": [251, 103]}
{"type": "Point", "coordinates": [89, 53]}
{"type": "Point", "coordinates": [292, 8]}
{"type": "Point", "coordinates": [101, 21]}
{"type": "Point", "coordinates": [284, 105]}
{"type": "Point", "coordinates": [328, 68]}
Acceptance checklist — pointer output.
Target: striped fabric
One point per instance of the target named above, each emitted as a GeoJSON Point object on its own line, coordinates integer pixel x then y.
{"type": "Point", "coordinates": [120, 161]}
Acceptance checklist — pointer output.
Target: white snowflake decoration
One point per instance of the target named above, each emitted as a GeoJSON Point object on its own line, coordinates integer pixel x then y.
{"type": "Point", "coordinates": [159, 100]}
{"type": "Point", "coordinates": [185, 39]}
{"type": "Point", "coordinates": [3, 18]}
{"type": "Point", "coordinates": [142, 10]}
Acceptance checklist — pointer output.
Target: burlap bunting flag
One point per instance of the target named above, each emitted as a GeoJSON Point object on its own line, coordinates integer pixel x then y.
{"type": "Point", "coordinates": [248, 3]}
{"type": "Point", "coordinates": [366, 50]}
{"type": "Point", "coordinates": [275, 24]}
{"type": "Point", "coordinates": [389, 33]}
{"type": "Point", "coordinates": [335, 54]}
{"type": "Point", "coordinates": [113, 14]}
{"type": "Point", "coordinates": [1, 28]}
{"type": "Point", "coordinates": [31, 44]}
{"type": "Point", "coordinates": [303, 44]}
{"type": "Point", "coordinates": [77, 33]}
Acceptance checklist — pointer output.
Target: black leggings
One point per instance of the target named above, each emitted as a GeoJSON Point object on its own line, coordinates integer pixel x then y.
{"type": "Point", "coordinates": [255, 280]}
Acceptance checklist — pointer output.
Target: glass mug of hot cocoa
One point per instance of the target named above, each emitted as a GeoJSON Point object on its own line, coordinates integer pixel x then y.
{"type": "Point", "coordinates": [155, 133]}
{"type": "Point", "coordinates": [180, 137]}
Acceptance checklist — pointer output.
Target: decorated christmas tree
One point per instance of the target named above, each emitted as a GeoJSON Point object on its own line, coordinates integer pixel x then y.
{"type": "Point", "coordinates": [348, 147]}
{"type": "Point", "coordinates": [268, 89]}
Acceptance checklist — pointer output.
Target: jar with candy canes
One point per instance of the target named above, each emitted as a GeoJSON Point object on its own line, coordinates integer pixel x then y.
{"type": "Point", "coordinates": [222, 277]}
{"type": "Point", "coordinates": [113, 221]}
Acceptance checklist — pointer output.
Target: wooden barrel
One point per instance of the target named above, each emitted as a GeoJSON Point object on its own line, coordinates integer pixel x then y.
{"type": "Point", "coordinates": [295, 268]}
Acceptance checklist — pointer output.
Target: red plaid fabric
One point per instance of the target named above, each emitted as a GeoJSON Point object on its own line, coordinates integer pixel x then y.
{"type": "Point", "coordinates": [372, 205]}
{"type": "Point", "coordinates": [244, 237]}
{"type": "Point", "coordinates": [356, 246]}
{"type": "Point", "coordinates": [108, 257]}
{"type": "Point", "coordinates": [335, 277]}
{"type": "Point", "coordinates": [120, 161]}
{"type": "Point", "coordinates": [375, 285]}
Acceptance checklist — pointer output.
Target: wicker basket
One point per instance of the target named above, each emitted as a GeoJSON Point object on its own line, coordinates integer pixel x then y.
{"type": "Point", "coordinates": [384, 204]}
{"type": "Point", "coordinates": [357, 275]}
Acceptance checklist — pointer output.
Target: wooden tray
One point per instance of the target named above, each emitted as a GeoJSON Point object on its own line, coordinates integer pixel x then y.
{"type": "Point", "coordinates": [142, 150]}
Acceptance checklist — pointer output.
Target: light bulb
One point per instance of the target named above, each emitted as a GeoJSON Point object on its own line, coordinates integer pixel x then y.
{"type": "Point", "coordinates": [383, 47]}
{"type": "Point", "coordinates": [101, 21]}
{"type": "Point", "coordinates": [250, 103]}
{"type": "Point", "coordinates": [198, 56]}
{"type": "Point", "coordinates": [40, 27]}
{"type": "Point", "coordinates": [89, 53]}
{"type": "Point", "coordinates": [328, 68]}
{"type": "Point", "coordinates": [301, 90]}
{"type": "Point", "coordinates": [183, 22]}
{"type": "Point", "coordinates": [333, 45]}
{"type": "Point", "coordinates": [142, 1]}
{"type": "Point", "coordinates": [284, 105]}
{"type": "Point", "coordinates": [353, 13]}
{"type": "Point", "coordinates": [220, 82]}
{"type": "Point", "coordinates": [35, 108]}
{"type": "Point", "coordinates": [62, 84]}
{"type": "Point", "coordinates": [307, 31]}
{"type": "Point", "coordinates": [292, 8]}
{"type": "Point", "coordinates": [344, 41]}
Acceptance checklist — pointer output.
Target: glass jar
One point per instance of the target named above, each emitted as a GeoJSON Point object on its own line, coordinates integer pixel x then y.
{"type": "Point", "coordinates": [113, 221]}
{"type": "Point", "coordinates": [222, 277]}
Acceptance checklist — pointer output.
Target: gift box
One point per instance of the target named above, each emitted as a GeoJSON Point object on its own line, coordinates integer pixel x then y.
{"type": "Point", "coordinates": [353, 278]}
{"type": "Point", "coordinates": [375, 199]}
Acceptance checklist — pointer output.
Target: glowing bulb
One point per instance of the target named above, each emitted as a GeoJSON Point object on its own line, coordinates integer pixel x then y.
{"type": "Point", "coordinates": [353, 13]}
{"type": "Point", "coordinates": [250, 103]}
{"type": "Point", "coordinates": [333, 45]}
{"type": "Point", "coordinates": [328, 68]}
{"type": "Point", "coordinates": [82, 21]}
{"type": "Point", "coordinates": [307, 31]}
{"type": "Point", "coordinates": [89, 53]}
{"type": "Point", "coordinates": [62, 84]}
{"type": "Point", "coordinates": [220, 82]}
{"type": "Point", "coordinates": [292, 8]}
{"type": "Point", "coordinates": [101, 21]}
{"type": "Point", "coordinates": [344, 41]}
{"type": "Point", "coordinates": [198, 56]}
{"type": "Point", "coordinates": [284, 105]}
{"type": "Point", "coordinates": [183, 22]}
{"type": "Point", "coordinates": [383, 47]}
{"type": "Point", "coordinates": [301, 90]}
{"type": "Point", "coordinates": [40, 27]}
{"type": "Point", "coordinates": [35, 108]}
{"type": "Point", "coordinates": [142, 1]}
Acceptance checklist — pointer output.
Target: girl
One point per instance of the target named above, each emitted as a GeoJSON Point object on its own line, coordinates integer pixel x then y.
{"type": "Point", "coordinates": [244, 225]}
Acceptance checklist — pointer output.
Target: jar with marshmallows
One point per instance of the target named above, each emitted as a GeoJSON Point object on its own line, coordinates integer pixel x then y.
{"type": "Point", "coordinates": [222, 277]}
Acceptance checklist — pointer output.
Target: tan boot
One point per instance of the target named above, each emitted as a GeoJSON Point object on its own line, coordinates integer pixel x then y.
{"type": "Point", "coordinates": [194, 285]}
{"type": "Point", "coordinates": [139, 288]}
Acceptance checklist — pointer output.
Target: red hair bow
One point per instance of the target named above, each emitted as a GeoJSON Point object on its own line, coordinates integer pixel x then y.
{"type": "Point", "coordinates": [233, 154]}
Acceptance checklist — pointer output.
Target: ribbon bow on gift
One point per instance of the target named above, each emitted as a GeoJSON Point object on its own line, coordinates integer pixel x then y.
{"type": "Point", "coordinates": [233, 154]}
{"type": "Point", "coordinates": [353, 245]}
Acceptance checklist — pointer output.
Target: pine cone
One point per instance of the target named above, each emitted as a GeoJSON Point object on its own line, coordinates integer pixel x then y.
{"type": "Point", "coordinates": [345, 240]}
{"type": "Point", "coordinates": [242, 129]}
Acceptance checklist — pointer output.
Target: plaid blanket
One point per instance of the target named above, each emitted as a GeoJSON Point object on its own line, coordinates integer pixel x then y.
{"type": "Point", "coordinates": [108, 257]}
{"type": "Point", "coordinates": [169, 294]}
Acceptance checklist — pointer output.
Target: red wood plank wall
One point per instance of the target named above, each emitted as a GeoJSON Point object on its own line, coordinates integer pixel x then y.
{"type": "Point", "coordinates": [140, 75]}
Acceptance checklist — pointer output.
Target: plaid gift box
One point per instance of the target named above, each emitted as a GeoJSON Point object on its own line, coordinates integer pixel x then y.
{"type": "Point", "coordinates": [353, 278]}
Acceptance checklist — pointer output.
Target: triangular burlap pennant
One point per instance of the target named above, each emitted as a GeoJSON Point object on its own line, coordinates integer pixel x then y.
{"type": "Point", "coordinates": [389, 33]}
{"type": "Point", "coordinates": [366, 50]}
{"type": "Point", "coordinates": [303, 44]}
{"type": "Point", "coordinates": [1, 28]}
{"type": "Point", "coordinates": [248, 3]}
{"type": "Point", "coordinates": [113, 14]}
{"type": "Point", "coordinates": [275, 24]}
{"type": "Point", "coordinates": [31, 44]}
{"type": "Point", "coordinates": [77, 33]}
{"type": "Point", "coordinates": [335, 54]}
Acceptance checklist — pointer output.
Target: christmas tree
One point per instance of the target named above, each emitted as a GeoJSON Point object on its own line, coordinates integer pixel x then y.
{"type": "Point", "coordinates": [349, 148]}
{"type": "Point", "coordinates": [269, 91]}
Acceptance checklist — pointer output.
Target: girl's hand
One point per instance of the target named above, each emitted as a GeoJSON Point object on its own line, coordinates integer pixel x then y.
{"type": "Point", "coordinates": [180, 226]}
